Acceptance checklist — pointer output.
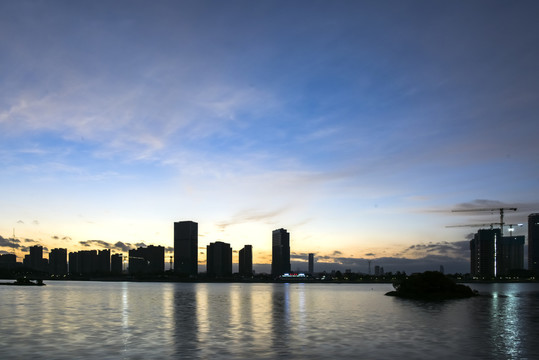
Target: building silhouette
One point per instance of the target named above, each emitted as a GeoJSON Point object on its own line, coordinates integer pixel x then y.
{"type": "Point", "coordinates": [116, 264]}
{"type": "Point", "coordinates": [509, 254]}
{"type": "Point", "coordinates": [58, 262]}
{"type": "Point", "coordinates": [246, 261]}
{"type": "Point", "coordinates": [311, 263]}
{"type": "Point", "coordinates": [35, 259]}
{"type": "Point", "coordinates": [103, 262]}
{"type": "Point", "coordinates": [219, 259]}
{"type": "Point", "coordinates": [8, 261]}
{"type": "Point", "coordinates": [73, 265]}
{"type": "Point", "coordinates": [494, 255]}
{"type": "Point", "coordinates": [89, 262]}
{"type": "Point", "coordinates": [482, 252]}
{"type": "Point", "coordinates": [8, 258]}
{"type": "Point", "coordinates": [83, 262]}
{"type": "Point", "coordinates": [148, 260]}
{"type": "Point", "coordinates": [533, 242]}
{"type": "Point", "coordinates": [280, 254]}
{"type": "Point", "coordinates": [186, 248]}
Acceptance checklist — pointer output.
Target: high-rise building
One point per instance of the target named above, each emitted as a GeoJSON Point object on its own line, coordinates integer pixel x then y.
{"type": "Point", "coordinates": [246, 261]}
{"type": "Point", "coordinates": [116, 264]}
{"type": "Point", "coordinates": [8, 261]}
{"type": "Point", "coordinates": [533, 242]}
{"type": "Point", "coordinates": [74, 268]}
{"type": "Point", "coordinates": [58, 262]}
{"type": "Point", "coordinates": [148, 260]}
{"type": "Point", "coordinates": [103, 262]}
{"type": "Point", "coordinates": [280, 254]}
{"type": "Point", "coordinates": [88, 262]}
{"type": "Point", "coordinates": [8, 258]}
{"type": "Point", "coordinates": [36, 258]}
{"type": "Point", "coordinates": [482, 252]}
{"type": "Point", "coordinates": [311, 263]}
{"type": "Point", "coordinates": [509, 254]}
{"type": "Point", "coordinates": [494, 255]}
{"type": "Point", "coordinates": [219, 259]}
{"type": "Point", "coordinates": [186, 248]}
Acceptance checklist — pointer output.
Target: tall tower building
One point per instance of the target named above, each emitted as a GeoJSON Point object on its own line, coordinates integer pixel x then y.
{"type": "Point", "coordinates": [36, 257]}
{"type": "Point", "coordinates": [280, 254]}
{"type": "Point", "coordinates": [116, 264]}
{"type": "Point", "coordinates": [533, 242]}
{"type": "Point", "coordinates": [74, 263]}
{"type": "Point", "coordinates": [58, 262]}
{"type": "Point", "coordinates": [246, 260]}
{"type": "Point", "coordinates": [509, 254]}
{"type": "Point", "coordinates": [186, 248]}
{"type": "Point", "coordinates": [219, 259]}
{"type": "Point", "coordinates": [483, 254]}
{"type": "Point", "coordinates": [311, 263]}
{"type": "Point", "coordinates": [103, 261]}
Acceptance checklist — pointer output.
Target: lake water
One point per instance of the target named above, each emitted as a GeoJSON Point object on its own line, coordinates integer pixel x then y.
{"type": "Point", "coordinates": [113, 320]}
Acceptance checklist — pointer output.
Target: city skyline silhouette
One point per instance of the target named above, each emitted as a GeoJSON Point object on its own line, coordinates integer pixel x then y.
{"type": "Point", "coordinates": [357, 126]}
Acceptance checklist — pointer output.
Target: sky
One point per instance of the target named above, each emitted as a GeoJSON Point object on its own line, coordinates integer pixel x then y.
{"type": "Point", "coordinates": [358, 126]}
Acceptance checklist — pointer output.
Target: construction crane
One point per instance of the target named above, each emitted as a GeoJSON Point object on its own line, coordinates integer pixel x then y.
{"type": "Point", "coordinates": [501, 210]}
{"type": "Point", "coordinates": [491, 225]}
{"type": "Point", "coordinates": [511, 229]}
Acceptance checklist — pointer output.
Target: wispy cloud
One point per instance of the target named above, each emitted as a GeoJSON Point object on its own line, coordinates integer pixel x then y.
{"type": "Point", "coordinates": [252, 215]}
{"type": "Point", "coordinates": [457, 249]}
{"type": "Point", "coordinates": [9, 242]}
{"type": "Point", "coordinates": [118, 246]}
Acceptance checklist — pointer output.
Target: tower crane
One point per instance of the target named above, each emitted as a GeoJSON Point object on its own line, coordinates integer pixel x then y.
{"type": "Point", "coordinates": [501, 210]}
{"type": "Point", "coordinates": [491, 225]}
{"type": "Point", "coordinates": [511, 229]}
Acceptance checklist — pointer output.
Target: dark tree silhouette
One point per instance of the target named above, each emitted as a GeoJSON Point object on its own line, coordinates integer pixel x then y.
{"type": "Point", "coordinates": [430, 285]}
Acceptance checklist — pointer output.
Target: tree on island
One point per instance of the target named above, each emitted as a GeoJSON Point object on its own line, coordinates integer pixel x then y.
{"type": "Point", "coordinates": [430, 285]}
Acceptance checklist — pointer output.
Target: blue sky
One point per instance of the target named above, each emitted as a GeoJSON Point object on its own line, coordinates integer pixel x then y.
{"type": "Point", "coordinates": [356, 125]}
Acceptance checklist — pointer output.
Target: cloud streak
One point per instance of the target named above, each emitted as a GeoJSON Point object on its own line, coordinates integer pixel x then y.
{"type": "Point", "coordinates": [252, 215]}
{"type": "Point", "coordinates": [9, 242]}
{"type": "Point", "coordinates": [118, 246]}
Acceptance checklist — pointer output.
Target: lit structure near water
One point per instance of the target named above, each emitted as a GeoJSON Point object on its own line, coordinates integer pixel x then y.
{"type": "Point", "coordinates": [492, 254]}
{"type": "Point", "coordinates": [533, 242]}
{"type": "Point", "coordinates": [280, 260]}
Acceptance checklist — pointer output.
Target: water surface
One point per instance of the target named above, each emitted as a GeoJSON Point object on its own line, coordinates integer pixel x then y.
{"type": "Point", "coordinates": [110, 320]}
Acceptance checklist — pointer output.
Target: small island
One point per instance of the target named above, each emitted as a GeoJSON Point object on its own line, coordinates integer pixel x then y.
{"type": "Point", "coordinates": [430, 286]}
{"type": "Point", "coordinates": [25, 282]}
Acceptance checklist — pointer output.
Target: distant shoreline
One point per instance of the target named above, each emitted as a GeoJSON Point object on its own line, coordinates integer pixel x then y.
{"type": "Point", "coordinates": [260, 281]}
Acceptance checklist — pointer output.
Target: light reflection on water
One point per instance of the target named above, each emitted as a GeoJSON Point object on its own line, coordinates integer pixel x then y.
{"type": "Point", "coordinates": [263, 321]}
